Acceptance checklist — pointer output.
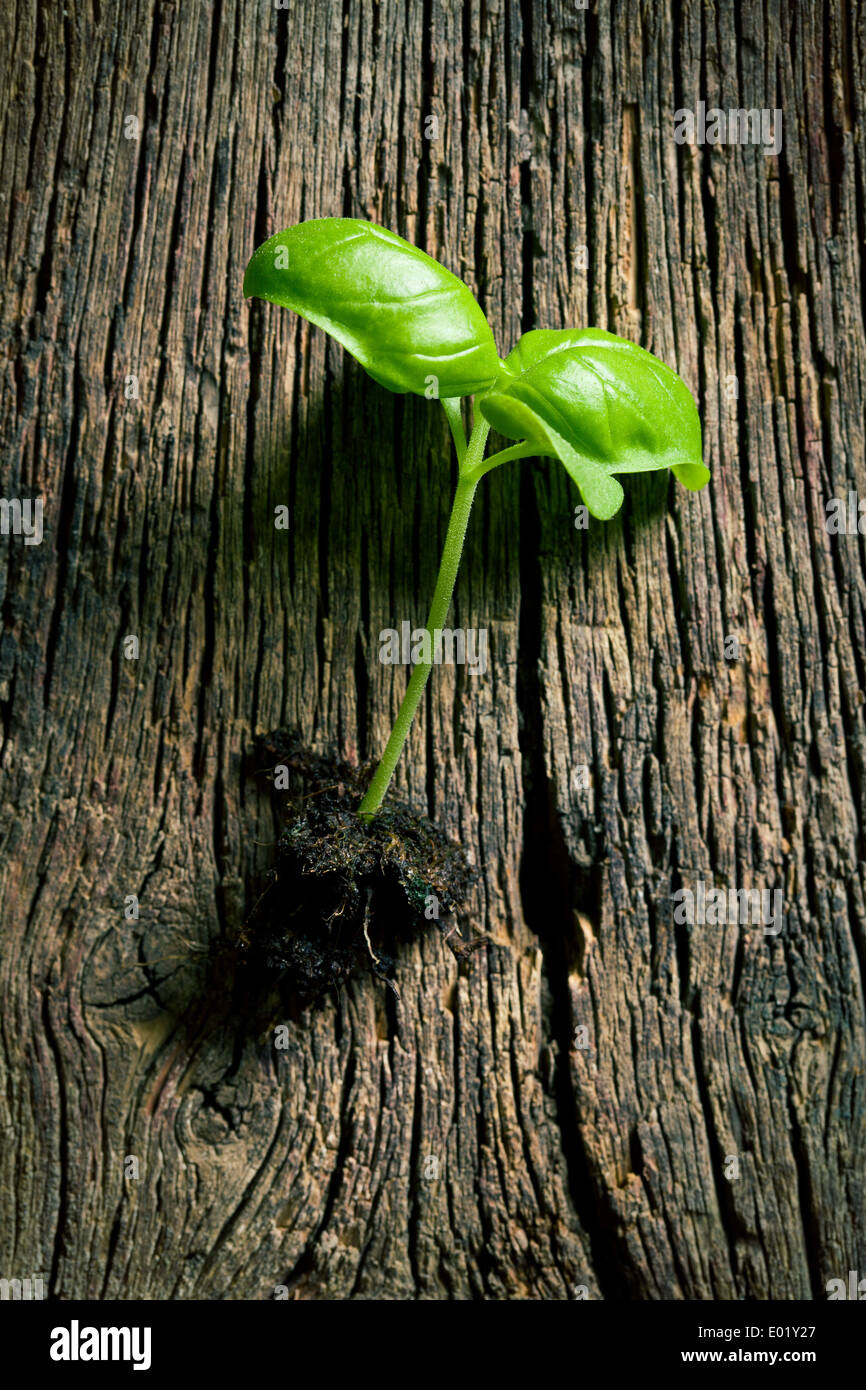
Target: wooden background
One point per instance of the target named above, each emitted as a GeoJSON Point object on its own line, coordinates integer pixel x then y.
{"type": "Point", "coordinates": [556, 189]}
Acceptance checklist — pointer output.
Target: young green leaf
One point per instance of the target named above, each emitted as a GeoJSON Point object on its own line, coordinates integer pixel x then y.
{"type": "Point", "coordinates": [410, 323]}
{"type": "Point", "coordinates": [600, 404]}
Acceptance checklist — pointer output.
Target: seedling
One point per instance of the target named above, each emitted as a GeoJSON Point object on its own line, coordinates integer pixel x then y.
{"type": "Point", "coordinates": [598, 403]}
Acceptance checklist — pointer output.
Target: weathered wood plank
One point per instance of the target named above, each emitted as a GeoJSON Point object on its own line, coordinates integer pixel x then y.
{"type": "Point", "coordinates": [457, 1144]}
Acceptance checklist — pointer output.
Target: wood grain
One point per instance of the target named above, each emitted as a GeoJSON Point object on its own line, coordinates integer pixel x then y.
{"type": "Point", "coordinates": [457, 1145]}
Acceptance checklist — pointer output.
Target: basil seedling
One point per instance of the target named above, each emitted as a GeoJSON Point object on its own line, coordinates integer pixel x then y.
{"type": "Point", "coordinates": [598, 403]}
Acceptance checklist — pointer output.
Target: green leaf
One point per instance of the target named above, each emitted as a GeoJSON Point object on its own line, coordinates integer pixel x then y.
{"type": "Point", "coordinates": [410, 323]}
{"type": "Point", "coordinates": [600, 404]}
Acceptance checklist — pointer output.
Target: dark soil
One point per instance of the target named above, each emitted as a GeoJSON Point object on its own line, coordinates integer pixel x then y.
{"type": "Point", "coordinates": [343, 891]}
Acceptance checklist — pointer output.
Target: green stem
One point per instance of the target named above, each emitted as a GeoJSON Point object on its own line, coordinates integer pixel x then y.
{"type": "Point", "coordinates": [453, 414]}
{"type": "Point", "coordinates": [442, 594]}
{"type": "Point", "coordinates": [516, 451]}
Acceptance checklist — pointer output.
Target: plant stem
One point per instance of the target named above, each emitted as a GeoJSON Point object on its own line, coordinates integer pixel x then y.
{"type": "Point", "coordinates": [442, 594]}
{"type": "Point", "coordinates": [451, 406]}
{"type": "Point", "coordinates": [516, 451]}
